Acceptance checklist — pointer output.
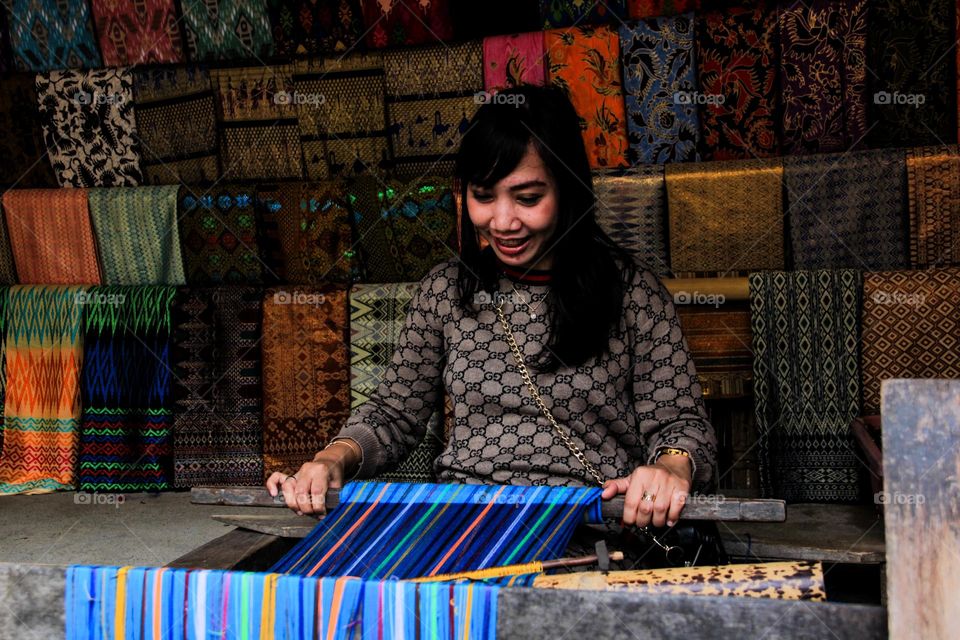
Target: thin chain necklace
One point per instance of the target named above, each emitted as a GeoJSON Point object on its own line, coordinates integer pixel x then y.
{"type": "Point", "coordinates": [532, 312]}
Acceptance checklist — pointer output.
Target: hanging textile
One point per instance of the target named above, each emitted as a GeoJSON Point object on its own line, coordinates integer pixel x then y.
{"type": "Point", "coordinates": [933, 184]}
{"type": "Point", "coordinates": [136, 230]}
{"type": "Point", "coordinates": [8, 270]}
{"type": "Point", "coordinates": [659, 85]}
{"type": "Point", "coordinates": [631, 210]}
{"type": "Point", "coordinates": [653, 8]}
{"type": "Point", "coordinates": [218, 236]}
{"type": "Point", "coordinates": [4, 305]}
{"type": "Point", "coordinates": [125, 439]}
{"type": "Point", "coordinates": [89, 127]}
{"type": "Point", "coordinates": [259, 137]}
{"type": "Point", "coordinates": [51, 236]}
{"type": "Point", "coordinates": [345, 133]}
{"type": "Point", "coordinates": [5, 59]}
{"type": "Point", "coordinates": [737, 78]}
{"type": "Point", "coordinates": [475, 20]}
{"type": "Point", "coordinates": [585, 62]}
{"type": "Point", "coordinates": [146, 32]}
{"type": "Point", "coordinates": [313, 226]}
{"type": "Point", "coordinates": [377, 316]}
{"type": "Point", "coordinates": [126, 603]}
{"type": "Point", "coordinates": [570, 13]}
{"type": "Point", "coordinates": [227, 29]}
{"type": "Point", "coordinates": [719, 340]}
{"type": "Point", "coordinates": [217, 433]}
{"type": "Point", "coordinates": [513, 60]}
{"type": "Point", "coordinates": [21, 135]}
{"type": "Point", "coordinates": [846, 210]}
{"type": "Point", "coordinates": [306, 373]}
{"type": "Point", "coordinates": [49, 34]}
{"type": "Point", "coordinates": [389, 23]}
{"type": "Point", "coordinates": [807, 382]}
{"type": "Point", "coordinates": [431, 96]}
{"type": "Point", "coordinates": [911, 328]}
{"type": "Point", "coordinates": [314, 27]}
{"type": "Point", "coordinates": [41, 410]}
{"type": "Point", "coordinates": [725, 217]}
{"type": "Point", "coordinates": [913, 75]}
{"type": "Point", "coordinates": [177, 125]}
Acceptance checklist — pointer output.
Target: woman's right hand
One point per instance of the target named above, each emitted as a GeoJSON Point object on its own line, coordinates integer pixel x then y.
{"type": "Point", "coordinates": [305, 492]}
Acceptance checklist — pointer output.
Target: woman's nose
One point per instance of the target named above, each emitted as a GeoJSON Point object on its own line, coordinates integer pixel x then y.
{"type": "Point", "coordinates": [504, 216]}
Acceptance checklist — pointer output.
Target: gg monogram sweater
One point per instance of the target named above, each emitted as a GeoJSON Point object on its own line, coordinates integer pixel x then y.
{"type": "Point", "coordinates": [643, 395]}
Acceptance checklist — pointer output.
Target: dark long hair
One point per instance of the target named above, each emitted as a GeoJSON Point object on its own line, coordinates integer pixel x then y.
{"type": "Point", "coordinates": [589, 270]}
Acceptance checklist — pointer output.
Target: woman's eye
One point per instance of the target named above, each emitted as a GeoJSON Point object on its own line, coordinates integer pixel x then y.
{"type": "Point", "coordinates": [529, 201]}
{"type": "Point", "coordinates": [482, 197]}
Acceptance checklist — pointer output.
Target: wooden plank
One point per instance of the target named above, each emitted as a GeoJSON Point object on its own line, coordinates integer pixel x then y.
{"type": "Point", "coordinates": [291, 526]}
{"type": "Point", "coordinates": [238, 549]}
{"type": "Point", "coordinates": [699, 507]}
{"type": "Point", "coordinates": [824, 532]}
{"type": "Point", "coordinates": [921, 484]}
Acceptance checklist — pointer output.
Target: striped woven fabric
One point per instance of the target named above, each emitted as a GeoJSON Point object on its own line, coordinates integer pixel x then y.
{"type": "Point", "coordinates": [512, 60]}
{"type": "Point", "coordinates": [128, 603]}
{"type": "Point", "coordinates": [386, 530]}
{"type": "Point", "coordinates": [125, 441]}
{"type": "Point", "coordinates": [227, 29]}
{"type": "Point", "coordinates": [631, 208]}
{"type": "Point", "coordinates": [137, 234]}
{"type": "Point", "coordinates": [50, 34]}
{"type": "Point", "coordinates": [933, 184]}
{"type": "Point", "coordinates": [51, 236]}
{"type": "Point", "coordinates": [306, 373]}
{"type": "Point", "coordinates": [217, 431]}
{"type": "Point", "coordinates": [4, 303]}
{"type": "Point", "coordinates": [807, 382]}
{"type": "Point", "coordinates": [41, 408]}
{"type": "Point", "coordinates": [132, 33]}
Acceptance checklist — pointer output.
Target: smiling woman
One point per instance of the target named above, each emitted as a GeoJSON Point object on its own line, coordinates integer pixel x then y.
{"type": "Point", "coordinates": [562, 357]}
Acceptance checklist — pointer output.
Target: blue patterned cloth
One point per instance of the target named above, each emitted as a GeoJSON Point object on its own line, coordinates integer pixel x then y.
{"type": "Point", "coordinates": [46, 35]}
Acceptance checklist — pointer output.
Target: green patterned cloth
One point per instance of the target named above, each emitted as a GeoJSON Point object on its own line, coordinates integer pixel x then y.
{"type": "Point", "coordinates": [227, 29]}
{"type": "Point", "coordinates": [136, 230]}
{"type": "Point", "coordinates": [807, 382]}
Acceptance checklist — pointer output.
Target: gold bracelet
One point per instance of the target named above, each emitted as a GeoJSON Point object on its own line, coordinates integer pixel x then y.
{"type": "Point", "coordinates": [350, 443]}
{"type": "Point", "coordinates": [671, 451]}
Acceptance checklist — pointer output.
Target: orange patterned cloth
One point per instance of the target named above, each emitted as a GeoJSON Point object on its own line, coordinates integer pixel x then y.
{"type": "Point", "coordinates": [41, 411]}
{"type": "Point", "coordinates": [585, 62]}
{"type": "Point", "coordinates": [933, 182]}
{"type": "Point", "coordinates": [51, 236]}
{"type": "Point", "coordinates": [306, 373]}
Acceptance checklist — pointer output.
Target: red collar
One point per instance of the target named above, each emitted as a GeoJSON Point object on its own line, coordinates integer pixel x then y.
{"type": "Point", "coordinates": [525, 276]}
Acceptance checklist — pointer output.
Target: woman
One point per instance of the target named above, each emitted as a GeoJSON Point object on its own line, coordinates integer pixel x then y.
{"type": "Point", "coordinates": [599, 335]}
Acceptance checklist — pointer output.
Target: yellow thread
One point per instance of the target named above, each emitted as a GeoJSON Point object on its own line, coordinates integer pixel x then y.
{"type": "Point", "coordinates": [120, 615]}
{"type": "Point", "coordinates": [484, 574]}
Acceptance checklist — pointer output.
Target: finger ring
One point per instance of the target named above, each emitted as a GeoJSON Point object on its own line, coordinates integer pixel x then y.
{"type": "Point", "coordinates": [647, 497]}
{"type": "Point", "coordinates": [288, 478]}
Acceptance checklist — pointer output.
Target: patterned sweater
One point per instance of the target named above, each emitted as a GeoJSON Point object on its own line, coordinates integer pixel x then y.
{"type": "Point", "coordinates": [641, 396]}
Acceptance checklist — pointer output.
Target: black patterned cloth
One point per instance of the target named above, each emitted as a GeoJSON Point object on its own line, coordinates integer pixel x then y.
{"type": "Point", "coordinates": [314, 27]}
{"type": "Point", "coordinates": [21, 135]}
{"type": "Point", "coordinates": [807, 382]}
{"type": "Point", "coordinates": [631, 208]}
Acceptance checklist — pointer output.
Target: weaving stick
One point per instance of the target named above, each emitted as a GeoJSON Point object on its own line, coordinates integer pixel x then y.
{"type": "Point", "coordinates": [538, 566]}
{"type": "Point", "coordinates": [698, 507]}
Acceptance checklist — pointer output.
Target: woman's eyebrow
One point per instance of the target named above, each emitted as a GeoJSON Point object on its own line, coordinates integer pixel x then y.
{"type": "Point", "coordinates": [528, 184]}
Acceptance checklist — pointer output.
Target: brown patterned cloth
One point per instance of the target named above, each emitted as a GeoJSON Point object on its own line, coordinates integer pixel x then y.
{"type": "Point", "coordinates": [933, 183]}
{"type": "Point", "coordinates": [306, 373]}
{"type": "Point", "coordinates": [8, 270]}
{"type": "Point", "coordinates": [259, 137]}
{"type": "Point", "coordinates": [177, 125]}
{"type": "Point", "coordinates": [25, 162]}
{"type": "Point", "coordinates": [725, 217]}
{"type": "Point", "coordinates": [342, 114]}
{"type": "Point", "coordinates": [631, 208]}
{"type": "Point", "coordinates": [911, 328]}
{"type": "Point", "coordinates": [719, 339]}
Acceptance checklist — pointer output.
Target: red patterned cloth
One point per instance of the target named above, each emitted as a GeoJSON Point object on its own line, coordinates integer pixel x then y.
{"type": "Point", "coordinates": [389, 23]}
{"type": "Point", "coordinates": [512, 60]}
{"type": "Point", "coordinates": [140, 32]}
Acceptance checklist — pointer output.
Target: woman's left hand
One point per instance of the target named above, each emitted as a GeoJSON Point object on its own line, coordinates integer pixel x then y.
{"type": "Point", "coordinates": [655, 493]}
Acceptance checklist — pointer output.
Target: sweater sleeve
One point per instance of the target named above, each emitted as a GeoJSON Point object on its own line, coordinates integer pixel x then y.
{"type": "Point", "coordinates": [667, 397]}
{"type": "Point", "coordinates": [394, 419]}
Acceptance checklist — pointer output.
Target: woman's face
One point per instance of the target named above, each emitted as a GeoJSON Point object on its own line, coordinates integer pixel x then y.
{"type": "Point", "coordinates": [518, 215]}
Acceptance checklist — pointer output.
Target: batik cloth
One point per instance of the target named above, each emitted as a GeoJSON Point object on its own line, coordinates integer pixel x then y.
{"type": "Point", "coordinates": [217, 433]}
{"type": "Point", "coordinates": [315, 27]}
{"type": "Point", "coordinates": [259, 137]}
{"type": "Point", "coordinates": [341, 109]}
{"type": "Point", "coordinates": [8, 269]}
{"type": "Point", "coordinates": [126, 440]}
{"type": "Point", "coordinates": [218, 236]}
{"type": "Point", "coordinates": [41, 410]}
{"type": "Point", "coordinates": [725, 217]}
{"type": "Point", "coordinates": [389, 23]}
{"type": "Point", "coordinates": [913, 76]}
{"type": "Point", "coordinates": [911, 328]}
{"type": "Point", "coordinates": [570, 13]}
{"type": "Point", "coordinates": [737, 64]}
{"type": "Point", "coordinates": [130, 33]}
{"type": "Point", "coordinates": [431, 96]}
{"type": "Point", "coordinates": [50, 34]}
{"type": "Point", "coordinates": [227, 29]}
{"type": "Point", "coordinates": [631, 209]}
{"type": "Point", "coordinates": [137, 235]}
{"type": "Point", "coordinates": [933, 187]}
{"type": "Point", "coordinates": [512, 60]}
{"type": "Point", "coordinates": [846, 210]}
{"type": "Point", "coordinates": [51, 236]}
{"type": "Point", "coordinates": [659, 86]}
{"type": "Point", "coordinates": [25, 162]}
{"type": "Point", "coordinates": [89, 127]}
{"type": "Point", "coordinates": [653, 8]}
{"type": "Point", "coordinates": [823, 75]}
{"type": "Point", "coordinates": [177, 125]}
{"type": "Point", "coordinates": [807, 382]}
{"type": "Point", "coordinates": [306, 373]}
{"type": "Point", "coordinates": [377, 316]}
{"type": "Point", "coordinates": [719, 340]}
